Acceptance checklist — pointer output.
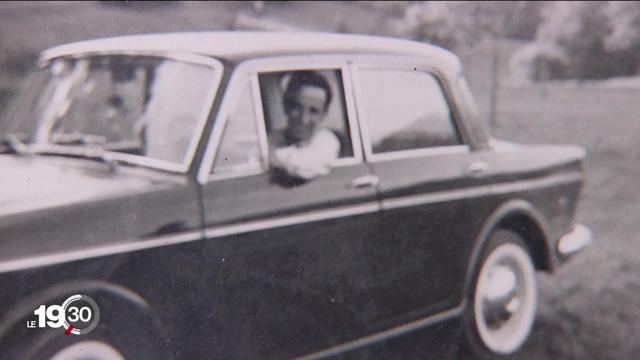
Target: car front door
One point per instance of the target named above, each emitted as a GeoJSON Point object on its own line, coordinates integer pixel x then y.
{"type": "Point", "coordinates": [429, 179]}
{"type": "Point", "coordinates": [284, 262]}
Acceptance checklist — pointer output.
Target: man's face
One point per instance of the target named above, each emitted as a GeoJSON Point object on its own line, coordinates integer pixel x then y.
{"type": "Point", "coordinates": [306, 112]}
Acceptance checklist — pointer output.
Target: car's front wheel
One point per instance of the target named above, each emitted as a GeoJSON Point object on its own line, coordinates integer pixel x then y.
{"type": "Point", "coordinates": [502, 306]}
{"type": "Point", "coordinates": [95, 350]}
{"type": "Point", "coordinates": [124, 331]}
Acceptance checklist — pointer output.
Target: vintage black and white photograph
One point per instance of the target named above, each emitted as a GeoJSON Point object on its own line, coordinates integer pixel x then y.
{"type": "Point", "coordinates": [319, 180]}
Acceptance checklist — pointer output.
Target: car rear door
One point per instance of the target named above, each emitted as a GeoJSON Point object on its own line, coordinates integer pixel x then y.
{"type": "Point", "coordinates": [284, 263]}
{"type": "Point", "coordinates": [431, 187]}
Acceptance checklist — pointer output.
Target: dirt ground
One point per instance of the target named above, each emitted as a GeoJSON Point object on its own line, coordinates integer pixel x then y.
{"type": "Point", "coordinates": [588, 309]}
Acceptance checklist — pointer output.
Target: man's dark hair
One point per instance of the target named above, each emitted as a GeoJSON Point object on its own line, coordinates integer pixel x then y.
{"type": "Point", "coordinates": [302, 78]}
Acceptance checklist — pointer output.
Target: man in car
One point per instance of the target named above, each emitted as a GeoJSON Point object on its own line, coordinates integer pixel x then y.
{"type": "Point", "coordinates": [305, 149]}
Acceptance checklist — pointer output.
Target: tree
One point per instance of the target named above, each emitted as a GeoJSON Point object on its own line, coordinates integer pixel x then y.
{"type": "Point", "coordinates": [624, 20]}
{"type": "Point", "coordinates": [595, 39]}
{"type": "Point", "coordinates": [451, 23]}
{"type": "Point", "coordinates": [623, 40]}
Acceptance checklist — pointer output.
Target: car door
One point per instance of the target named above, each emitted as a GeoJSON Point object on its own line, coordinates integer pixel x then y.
{"type": "Point", "coordinates": [429, 179]}
{"type": "Point", "coordinates": [285, 263]}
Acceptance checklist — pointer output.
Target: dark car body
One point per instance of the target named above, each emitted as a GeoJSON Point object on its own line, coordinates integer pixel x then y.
{"type": "Point", "coordinates": [231, 265]}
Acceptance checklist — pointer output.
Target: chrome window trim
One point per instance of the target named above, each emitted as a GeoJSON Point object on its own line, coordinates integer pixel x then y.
{"type": "Point", "coordinates": [252, 68]}
{"type": "Point", "coordinates": [231, 98]}
{"type": "Point", "coordinates": [260, 130]}
{"type": "Point", "coordinates": [414, 153]}
{"type": "Point", "coordinates": [160, 164]}
{"type": "Point", "coordinates": [408, 66]}
{"type": "Point", "coordinates": [235, 175]}
{"type": "Point", "coordinates": [352, 119]}
{"type": "Point", "coordinates": [343, 162]}
{"type": "Point", "coordinates": [261, 124]}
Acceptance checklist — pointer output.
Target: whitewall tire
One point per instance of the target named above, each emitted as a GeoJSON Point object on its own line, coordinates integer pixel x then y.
{"type": "Point", "coordinates": [503, 302]}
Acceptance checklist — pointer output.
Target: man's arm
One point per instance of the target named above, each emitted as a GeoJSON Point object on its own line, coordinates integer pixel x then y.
{"type": "Point", "coordinates": [309, 161]}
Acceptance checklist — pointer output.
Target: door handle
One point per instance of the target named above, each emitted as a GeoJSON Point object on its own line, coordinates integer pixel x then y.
{"type": "Point", "coordinates": [477, 169]}
{"type": "Point", "coordinates": [364, 181]}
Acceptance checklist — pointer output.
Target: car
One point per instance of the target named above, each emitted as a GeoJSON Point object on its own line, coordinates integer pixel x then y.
{"type": "Point", "coordinates": [138, 178]}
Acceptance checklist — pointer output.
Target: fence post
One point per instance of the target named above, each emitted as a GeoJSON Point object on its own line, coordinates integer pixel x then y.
{"type": "Point", "coordinates": [495, 83]}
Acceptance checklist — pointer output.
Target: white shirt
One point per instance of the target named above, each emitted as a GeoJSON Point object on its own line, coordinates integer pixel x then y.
{"type": "Point", "coordinates": [311, 159]}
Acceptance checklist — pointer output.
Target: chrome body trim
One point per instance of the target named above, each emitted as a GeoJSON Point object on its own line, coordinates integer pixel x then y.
{"type": "Point", "coordinates": [386, 334]}
{"type": "Point", "coordinates": [399, 202]}
{"type": "Point", "coordinates": [226, 230]}
{"type": "Point", "coordinates": [218, 70]}
{"type": "Point", "coordinates": [112, 249]}
{"type": "Point", "coordinates": [575, 241]}
{"type": "Point", "coordinates": [188, 236]}
{"type": "Point", "coordinates": [311, 216]}
{"type": "Point", "coordinates": [483, 190]}
{"type": "Point", "coordinates": [251, 69]}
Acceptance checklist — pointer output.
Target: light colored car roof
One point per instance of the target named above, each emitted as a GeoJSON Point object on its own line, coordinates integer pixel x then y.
{"type": "Point", "coordinates": [239, 46]}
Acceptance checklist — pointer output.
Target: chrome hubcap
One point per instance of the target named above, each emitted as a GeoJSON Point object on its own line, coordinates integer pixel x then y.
{"type": "Point", "coordinates": [500, 299]}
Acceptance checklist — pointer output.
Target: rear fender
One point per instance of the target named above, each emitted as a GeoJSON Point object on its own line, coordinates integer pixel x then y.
{"type": "Point", "coordinates": [499, 218]}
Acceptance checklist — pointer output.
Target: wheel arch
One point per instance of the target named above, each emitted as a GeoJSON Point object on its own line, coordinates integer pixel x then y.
{"type": "Point", "coordinates": [521, 217]}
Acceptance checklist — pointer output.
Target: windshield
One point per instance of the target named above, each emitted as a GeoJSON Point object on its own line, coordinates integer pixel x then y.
{"type": "Point", "coordinates": [137, 105]}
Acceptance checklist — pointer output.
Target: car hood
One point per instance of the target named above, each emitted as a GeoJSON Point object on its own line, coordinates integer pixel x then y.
{"type": "Point", "coordinates": [54, 204]}
{"type": "Point", "coordinates": [38, 182]}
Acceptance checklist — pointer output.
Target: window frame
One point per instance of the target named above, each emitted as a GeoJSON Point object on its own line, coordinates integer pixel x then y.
{"type": "Point", "coordinates": [212, 93]}
{"type": "Point", "coordinates": [404, 64]}
{"type": "Point", "coordinates": [252, 69]}
{"type": "Point", "coordinates": [261, 131]}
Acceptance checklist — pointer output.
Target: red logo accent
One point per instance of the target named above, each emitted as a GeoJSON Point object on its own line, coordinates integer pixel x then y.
{"type": "Point", "coordinates": [66, 333]}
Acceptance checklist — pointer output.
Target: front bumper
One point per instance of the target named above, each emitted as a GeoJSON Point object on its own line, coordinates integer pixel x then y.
{"type": "Point", "coordinates": [575, 241]}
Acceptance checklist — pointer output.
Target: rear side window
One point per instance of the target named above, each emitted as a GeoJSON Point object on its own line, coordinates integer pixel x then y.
{"type": "Point", "coordinates": [405, 110]}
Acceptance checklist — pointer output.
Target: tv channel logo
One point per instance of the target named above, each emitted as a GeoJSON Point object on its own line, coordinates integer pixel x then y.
{"type": "Point", "coordinates": [78, 315]}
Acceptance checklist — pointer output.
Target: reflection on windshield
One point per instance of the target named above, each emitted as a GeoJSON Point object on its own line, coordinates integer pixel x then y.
{"type": "Point", "coordinates": [142, 105]}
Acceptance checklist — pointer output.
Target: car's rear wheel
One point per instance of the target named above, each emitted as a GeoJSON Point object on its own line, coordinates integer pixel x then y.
{"type": "Point", "coordinates": [502, 306]}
